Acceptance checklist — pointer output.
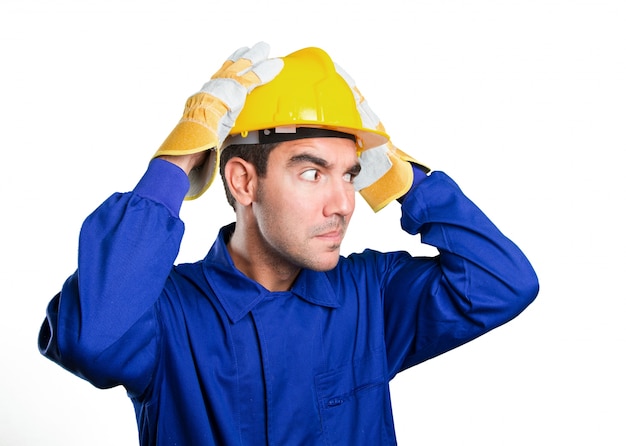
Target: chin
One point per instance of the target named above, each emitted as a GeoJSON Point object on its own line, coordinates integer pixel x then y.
{"type": "Point", "coordinates": [324, 265]}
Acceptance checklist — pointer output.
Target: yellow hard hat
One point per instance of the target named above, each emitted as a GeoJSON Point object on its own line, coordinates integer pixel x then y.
{"type": "Point", "coordinates": [307, 94]}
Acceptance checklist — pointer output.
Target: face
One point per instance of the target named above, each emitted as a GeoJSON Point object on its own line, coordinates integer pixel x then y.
{"type": "Point", "coordinates": [305, 202]}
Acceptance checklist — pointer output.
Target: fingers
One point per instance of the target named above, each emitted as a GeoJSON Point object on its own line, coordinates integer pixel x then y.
{"type": "Point", "coordinates": [244, 57]}
{"type": "Point", "coordinates": [250, 67]}
{"type": "Point", "coordinates": [343, 73]}
{"type": "Point", "coordinates": [368, 117]}
{"type": "Point", "coordinates": [238, 53]}
{"type": "Point", "coordinates": [256, 61]}
{"type": "Point", "coordinates": [257, 53]}
{"type": "Point", "coordinates": [267, 70]}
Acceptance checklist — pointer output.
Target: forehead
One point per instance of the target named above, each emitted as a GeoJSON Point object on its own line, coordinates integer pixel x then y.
{"type": "Point", "coordinates": [332, 150]}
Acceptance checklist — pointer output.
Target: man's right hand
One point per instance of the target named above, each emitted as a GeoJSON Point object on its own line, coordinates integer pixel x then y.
{"type": "Point", "coordinates": [210, 114]}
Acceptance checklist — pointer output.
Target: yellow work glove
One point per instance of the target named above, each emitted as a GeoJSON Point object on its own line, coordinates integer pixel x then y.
{"type": "Point", "coordinates": [210, 114]}
{"type": "Point", "coordinates": [386, 171]}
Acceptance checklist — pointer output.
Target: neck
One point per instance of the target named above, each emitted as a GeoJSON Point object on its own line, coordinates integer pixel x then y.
{"type": "Point", "coordinates": [253, 258]}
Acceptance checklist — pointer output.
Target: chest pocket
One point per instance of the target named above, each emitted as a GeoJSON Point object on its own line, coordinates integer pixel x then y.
{"type": "Point", "coordinates": [354, 404]}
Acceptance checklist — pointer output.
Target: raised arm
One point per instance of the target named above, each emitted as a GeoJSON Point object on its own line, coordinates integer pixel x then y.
{"type": "Point", "coordinates": [479, 280]}
{"type": "Point", "coordinates": [104, 325]}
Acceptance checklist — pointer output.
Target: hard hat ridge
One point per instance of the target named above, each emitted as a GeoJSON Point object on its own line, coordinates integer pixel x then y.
{"type": "Point", "coordinates": [307, 93]}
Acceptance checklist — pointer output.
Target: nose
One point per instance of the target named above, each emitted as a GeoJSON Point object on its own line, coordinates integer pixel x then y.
{"type": "Point", "coordinates": [339, 199]}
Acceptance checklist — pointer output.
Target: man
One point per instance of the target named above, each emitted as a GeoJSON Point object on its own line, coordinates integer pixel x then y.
{"type": "Point", "coordinates": [274, 338]}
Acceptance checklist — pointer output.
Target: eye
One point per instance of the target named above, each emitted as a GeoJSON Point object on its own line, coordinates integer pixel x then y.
{"type": "Point", "coordinates": [349, 177]}
{"type": "Point", "coordinates": [310, 175]}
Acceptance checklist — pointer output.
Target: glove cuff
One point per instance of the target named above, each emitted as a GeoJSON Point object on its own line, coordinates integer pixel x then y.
{"type": "Point", "coordinates": [197, 131]}
{"type": "Point", "coordinates": [198, 128]}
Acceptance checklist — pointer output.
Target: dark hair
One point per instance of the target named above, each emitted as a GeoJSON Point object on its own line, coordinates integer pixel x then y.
{"type": "Point", "coordinates": [255, 154]}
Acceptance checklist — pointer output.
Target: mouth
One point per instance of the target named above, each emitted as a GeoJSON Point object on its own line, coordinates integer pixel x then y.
{"type": "Point", "coordinates": [334, 237]}
{"type": "Point", "coordinates": [332, 232]}
{"type": "Point", "coordinates": [331, 235]}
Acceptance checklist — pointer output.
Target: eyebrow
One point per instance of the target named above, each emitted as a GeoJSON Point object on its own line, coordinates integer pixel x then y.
{"type": "Point", "coordinates": [308, 158]}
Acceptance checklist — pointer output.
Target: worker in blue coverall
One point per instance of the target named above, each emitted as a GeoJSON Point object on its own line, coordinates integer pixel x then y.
{"type": "Point", "coordinates": [274, 338]}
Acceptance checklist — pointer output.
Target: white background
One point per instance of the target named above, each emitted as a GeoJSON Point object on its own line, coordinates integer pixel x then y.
{"type": "Point", "coordinates": [523, 103]}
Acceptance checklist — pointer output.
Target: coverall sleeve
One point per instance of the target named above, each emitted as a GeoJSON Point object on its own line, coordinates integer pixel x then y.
{"type": "Point", "coordinates": [102, 326]}
{"type": "Point", "coordinates": [479, 280]}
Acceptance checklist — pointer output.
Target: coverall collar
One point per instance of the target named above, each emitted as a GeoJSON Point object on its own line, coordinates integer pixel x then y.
{"type": "Point", "coordinates": [239, 294]}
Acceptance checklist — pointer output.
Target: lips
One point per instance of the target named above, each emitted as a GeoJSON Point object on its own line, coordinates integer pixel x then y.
{"type": "Point", "coordinates": [334, 236]}
{"type": "Point", "coordinates": [332, 231]}
{"type": "Point", "coordinates": [331, 234]}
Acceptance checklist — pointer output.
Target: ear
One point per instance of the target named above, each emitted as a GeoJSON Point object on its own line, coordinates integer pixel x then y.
{"type": "Point", "coordinates": [241, 179]}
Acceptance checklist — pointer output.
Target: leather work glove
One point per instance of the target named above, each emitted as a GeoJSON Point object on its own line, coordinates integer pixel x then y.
{"type": "Point", "coordinates": [386, 171]}
{"type": "Point", "coordinates": [210, 114]}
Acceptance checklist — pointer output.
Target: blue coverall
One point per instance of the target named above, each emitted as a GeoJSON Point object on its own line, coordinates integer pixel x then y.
{"type": "Point", "coordinates": [210, 357]}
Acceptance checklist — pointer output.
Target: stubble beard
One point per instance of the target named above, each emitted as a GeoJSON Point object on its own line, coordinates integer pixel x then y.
{"type": "Point", "coordinates": [284, 258]}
